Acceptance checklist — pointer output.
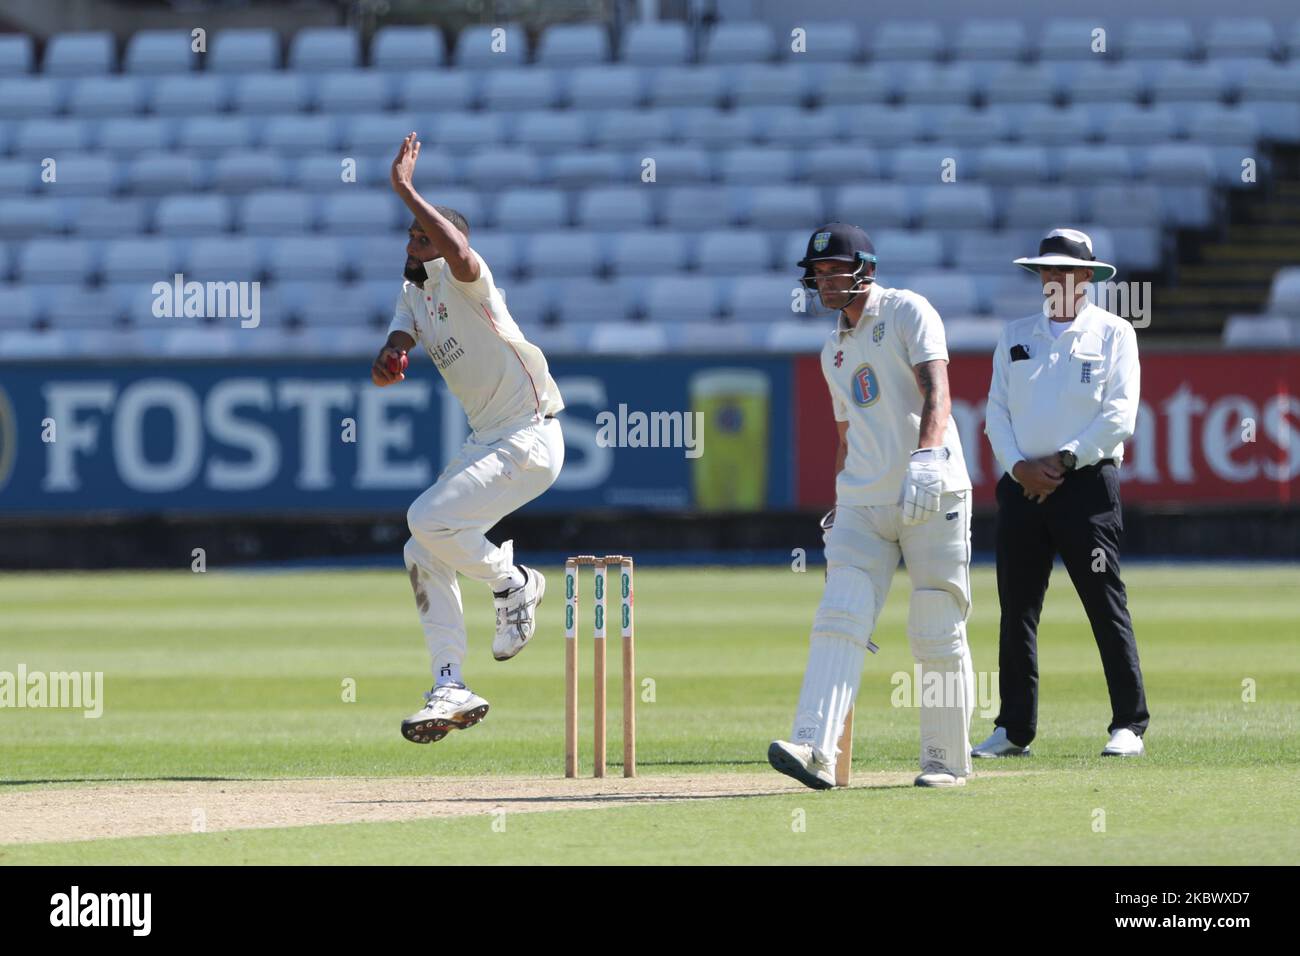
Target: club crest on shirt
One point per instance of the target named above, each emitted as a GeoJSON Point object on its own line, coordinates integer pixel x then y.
{"type": "Point", "coordinates": [821, 241]}
{"type": "Point", "coordinates": [442, 312]}
{"type": "Point", "coordinates": [878, 332]}
{"type": "Point", "coordinates": [866, 389]}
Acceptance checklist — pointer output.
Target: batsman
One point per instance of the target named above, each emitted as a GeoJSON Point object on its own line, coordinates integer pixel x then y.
{"type": "Point", "coordinates": [901, 489]}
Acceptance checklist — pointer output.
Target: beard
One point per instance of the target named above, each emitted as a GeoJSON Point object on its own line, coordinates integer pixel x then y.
{"type": "Point", "coordinates": [414, 272]}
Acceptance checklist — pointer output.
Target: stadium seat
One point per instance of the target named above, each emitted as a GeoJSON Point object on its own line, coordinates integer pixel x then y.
{"type": "Point", "coordinates": [878, 206]}
{"type": "Point", "coordinates": [372, 210]}
{"type": "Point", "coordinates": [270, 93]}
{"type": "Point", "coordinates": [678, 165]}
{"type": "Point", "coordinates": [100, 218]}
{"type": "Point", "coordinates": [24, 96]}
{"type": "Point", "coordinates": [990, 39]}
{"type": "Point", "coordinates": [145, 260]}
{"type": "Point", "coordinates": [573, 44]}
{"type": "Point", "coordinates": [949, 84]}
{"type": "Point", "coordinates": [720, 128]}
{"type": "Point", "coordinates": [782, 207]}
{"type": "Point", "coordinates": [1284, 294]}
{"type": "Point", "coordinates": [1044, 125]}
{"type": "Point", "coordinates": [739, 42]}
{"type": "Point", "coordinates": [594, 300]}
{"type": "Point", "coordinates": [502, 166]}
{"type": "Point", "coordinates": [102, 96]}
{"type": "Point", "coordinates": [52, 138]}
{"type": "Point", "coordinates": [1220, 125]}
{"type": "Point", "coordinates": [788, 84]}
{"type": "Point", "coordinates": [525, 89]}
{"type": "Point", "coordinates": [1012, 165]}
{"type": "Point", "coordinates": [1016, 83]}
{"type": "Point", "coordinates": [276, 212]}
{"type": "Point", "coordinates": [467, 202]}
{"type": "Point", "coordinates": [1016, 294]}
{"type": "Point", "coordinates": [563, 253]}
{"type": "Point", "coordinates": [189, 95]}
{"type": "Point", "coordinates": [16, 54]}
{"type": "Point", "coordinates": [159, 51]}
{"type": "Point", "coordinates": [208, 135]}
{"type": "Point", "coordinates": [528, 209]}
{"type": "Point", "coordinates": [299, 258]}
{"type": "Point", "coordinates": [695, 86]}
{"type": "Point", "coordinates": [228, 259]}
{"type": "Point", "coordinates": [925, 164]}
{"type": "Point", "coordinates": [852, 84]}
{"type": "Point", "coordinates": [1186, 163]}
{"type": "Point", "coordinates": [86, 174]}
{"type": "Point", "coordinates": [1138, 125]}
{"type": "Point", "coordinates": [799, 127]}
{"type": "Point", "coordinates": [683, 299]}
{"type": "Point", "coordinates": [23, 217]}
{"type": "Point", "coordinates": [192, 215]}
{"type": "Point", "coordinates": [1127, 205]}
{"type": "Point", "coordinates": [902, 252]}
{"type": "Point", "coordinates": [529, 303]}
{"type": "Point", "coordinates": [244, 51]}
{"type": "Point", "coordinates": [723, 252]}
{"type": "Point", "coordinates": [763, 297]}
{"type": "Point", "coordinates": [546, 132]}
{"type": "Point", "coordinates": [1040, 207]}
{"type": "Point", "coordinates": [948, 292]}
{"type": "Point", "coordinates": [582, 168]}
{"type": "Point", "coordinates": [1175, 81]}
{"type": "Point", "coordinates": [989, 252]}
{"type": "Point", "coordinates": [399, 49]}
{"type": "Point", "coordinates": [18, 177]}
{"type": "Point", "coordinates": [605, 87]}
{"type": "Point", "coordinates": [318, 49]}
{"type": "Point", "coordinates": [1104, 82]}
{"type": "Point", "coordinates": [55, 261]}
{"type": "Point", "coordinates": [294, 133]}
{"type": "Point", "coordinates": [241, 171]}
{"type": "Point", "coordinates": [373, 134]}
{"type": "Point", "coordinates": [907, 40]}
{"type": "Point", "coordinates": [464, 131]}
{"type": "Point", "coordinates": [1253, 332]}
{"type": "Point", "coordinates": [631, 129]}
{"type": "Point", "coordinates": [79, 54]}
{"type": "Point", "coordinates": [353, 91]}
{"type": "Point", "coordinates": [824, 41]}
{"type": "Point", "coordinates": [756, 165]}
{"type": "Point", "coordinates": [661, 43]}
{"type": "Point", "coordinates": [1070, 39]}
{"type": "Point", "coordinates": [1151, 39]}
{"type": "Point", "coordinates": [833, 165]}
{"type": "Point", "coordinates": [697, 207]}
{"type": "Point", "coordinates": [956, 206]}
{"type": "Point", "coordinates": [962, 126]}
{"type": "Point", "coordinates": [1088, 165]}
{"type": "Point", "coordinates": [17, 307]}
{"type": "Point", "coordinates": [615, 207]}
{"type": "Point", "coordinates": [645, 252]}
{"type": "Point", "coordinates": [482, 47]}
{"type": "Point", "coordinates": [79, 307]}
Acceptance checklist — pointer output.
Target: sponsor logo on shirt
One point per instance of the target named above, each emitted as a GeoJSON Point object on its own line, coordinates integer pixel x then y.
{"type": "Point", "coordinates": [866, 388]}
{"type": "Point", "coordinates": [839, 359]}
{"type": "Point", "coordinates": [447, 352]}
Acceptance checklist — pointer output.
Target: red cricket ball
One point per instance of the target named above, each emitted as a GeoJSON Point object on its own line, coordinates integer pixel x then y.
{"type": "Point", "coordinates": [397, 364]}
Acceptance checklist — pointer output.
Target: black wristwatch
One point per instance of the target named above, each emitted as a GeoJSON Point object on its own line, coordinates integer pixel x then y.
{"type": "Point", "coordinates": [1068, 460]}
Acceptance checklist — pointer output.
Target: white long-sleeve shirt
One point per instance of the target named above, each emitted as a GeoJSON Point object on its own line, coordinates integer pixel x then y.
{"type": "Point", "coordinates": [500, 378]}
{"type": "Point", "coordinates": [1077, 391]}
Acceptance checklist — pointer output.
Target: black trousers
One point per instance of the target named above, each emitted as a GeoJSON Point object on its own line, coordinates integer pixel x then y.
{"type": "Point", "coordinates": [1081, 520]}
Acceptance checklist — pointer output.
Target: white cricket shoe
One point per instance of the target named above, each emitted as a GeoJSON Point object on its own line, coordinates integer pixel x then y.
{"type": "Point", "coordinates": [803, 762]}
{"type": "Point", "coordinates": [1124, 743]}
{"type": "Point", "coordinates": [516, 615]}
{"type": "Point", "coordinates": [997, 745]}
{"type": "Point", "coordinates": [937, 775]}
{"type": "Point", "coordinates": [447, 707]}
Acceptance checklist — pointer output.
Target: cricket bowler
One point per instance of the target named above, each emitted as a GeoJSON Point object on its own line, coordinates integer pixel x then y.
{"type": "Point", "coordinates": [901, 489]}
{"type": "Point", "coordinates": [451, 306]}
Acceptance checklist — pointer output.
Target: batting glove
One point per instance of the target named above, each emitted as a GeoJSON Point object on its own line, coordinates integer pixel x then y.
{"type": "Point", "coordinates": [923, 484]}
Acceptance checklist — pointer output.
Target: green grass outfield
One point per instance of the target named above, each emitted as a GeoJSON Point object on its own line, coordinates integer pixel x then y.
{"type": "Point", "coordinates": [241, 676]}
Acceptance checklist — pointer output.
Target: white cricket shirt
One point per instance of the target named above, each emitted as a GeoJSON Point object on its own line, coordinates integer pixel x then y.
{"type": "Point", "coordinates": [500, 378]}
{"type": "Point", "coordinates": [1076, 391]}
{"type": "Point", "coordinates": [873, 388]}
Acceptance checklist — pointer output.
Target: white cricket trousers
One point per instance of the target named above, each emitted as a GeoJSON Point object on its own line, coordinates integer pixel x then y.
{"type": "Point", "coordinates": [492, 477]}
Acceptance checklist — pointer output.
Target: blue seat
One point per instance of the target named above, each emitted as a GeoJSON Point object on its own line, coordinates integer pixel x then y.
{"type": "Point", "coordinates": [1186, 163]}
{"type": "Point", "coordinates": [1050, 126]}
{"type": "Point", "coordinates": [962, 126]}
{"type": "Point", "coordinates": [500, 250]}
{"type": "Point", "coordinates": [692, 86]}
{"type": "Point", "coordinates": [594, 300]}
{"type": "Point", "coordinates": [764, 297]}
{"type": "Point", "coordinates": [101, 96]}
{"type": "Point", "coordinates": [1109, 83]}
{"type": "Point", "coordinates": [242, 51]}
{"type": "Point", "coordinates": [1175, 81]}
{"type": "Point", "coordinates": [987, 252]}
{"type": "Point", "coordinates": [371, 210]}
{"type": "Point", "coordinates": [530, 89]}
{"type": "Point", "coordinates": [949, 84]}
{"type": "Point", "coordinates": [835, 164]}
{"type": "Point", "coordinates": [54, 260]}
{"type": "Point", "coordinates": [374, 134]}
{"type": "Point", "coordinates": [16, 54]}
{"type": "Point", "coordinates": [787, 84]}
{"type": "Point", "coordinates": [1151, 39]}
{"type": "Point", "coordinates": [274, 212]}
{"type": "Point", "coordinates": [630, 129]}
{"type": "Point", "coordinates": [758, 166]}
{"type": "Point", "coordinates": [80, 308]}
{"type": "Point", "coordinates": [725, 251]}
{"type": "Point", "coordinates": [825, 41]}
{"type": "Point", "coordinates": [87, 174]}
{"type": "Point", "coordinates": [799, 127]}
{"type": "Point", "coordinates": [1137, 125]}
{"type": "Point", "coordinates": [1088, 165]}
{"type": "Point", "coordinates": [215, 134]}
{"type": "Point", "coordinates": [18, 309]}
{"type": "Point", "coordinates": [1012, 165]}
{"type": "Point", "coordinates": [614, 207]}
{"type": "Point", "coordinates": [458, 90]}
{"type": "Point", "coordinates": [1018, 294]}
{"type": "Point", "coordinates": [403, 48]}
{"type": "Point", "coordinates": [648, 252]}
{"type": "Point", "coordinates": [606, 87]}
{"type": "Point", "coordinates": [529, 209]}
{"type": "Point", "coordinates": [1127, 205]}
{"type": "Point", "coordinates": [852, 84]}
{"type": "Point", "coordinates": [481, 47]}
{"type": "Point", "coordinates": [24, 217]}
{"type": "Point", "coordinates": [503, 166]}
{"type": "Point", "coordinates": [155, 174]}
{"type": "Point", "coordinates": [550, 132]}
{"type": "Point", "coordinates": [23, 96]}
{"type": "Point", "coordinates": [949, 292]}
{"type": "Point", "coordinates": [241, 171]}
{"type": "Point", "coordinates": [378, 256]}
{"type": "Point", "coordinates": [318, 49]}
{"type": "Point", "coordinates": [99, 218]}
{"type": "Point", "coordinates": [80, 54]}
{"type": "Point", "coordinates": [293, 133]}
{"type": "Point", "coordinates": [188, 95]}
{"type": "Point", "coordinates": [1025, 83]}
{"type": "Point", "coordinates": [697, 207]}
{"type": "Point", "coordinates": [880, 205]}
{"type": "Point", "coordinates": [740, 42]}
{"type": "Point", "coordinates": [573, 44]}
{"type": "Point", "coordinates": [563, 253]}
{"type": "Point", "coordinates": [1241, 36]}
{"type": "Point", "coordinates": [906, 40]}
{"type": "Point", "coordinates": [724, 128]}
{"type": "Point", "coordinates": [925, 164]}
{"type": "Point", "coordinates": [990, 39]}
{"type": "Point", "coordinates": [229, 259]}
{"type": "Point", "coordinates": [134, 135]}
{"type": "Point", "coordinates": [192, 215]}
{"type": "Point", "coordinates": [582, 168]}
{"type": "Point", "coordinates": [902, 252]}
{"type": "Point", "coordinates": [359, 91]}
{"type": "Point", "coordinates": [159, 51]}
{"type": "Point", "coordinates": [1070, 39]}
{"type": "Point", "coordinates": [147, 260]}
{"type": "Point", "coordinates": [662, 43]}
{"type": "Point", "coordinates": [783, 207]}
{"type": "Point", "coordinates": [683, 298]}
{"type": "Point", "coordinates": [18, 177]}
{"type": "Point", "coordinates": [529, 302]}
{"type": "Point", "coordinates": [467, 202]}
{"type": "Point", "coordinates": [956, 206]}
{"type": "Point", "coordinates": [458, 131]}
{"type": "Point", "coordinates": [1284, 293]}
{"type": "Point", "coordinates": [270, 93]}
{"type": "Point", "coordinates": [295, 259]}
{"type": "Point", "coordinates": [1040, 207]}
{"type": "Point", "coordinates": [1223, 125]}
{"type": "Point", "coordinates": [53, 138]}
{"type": "Point", "coordinates": [680, 165]}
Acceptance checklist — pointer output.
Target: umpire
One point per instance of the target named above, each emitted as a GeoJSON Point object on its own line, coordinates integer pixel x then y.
{"type": "Point", "coordinates": [1063, 399]}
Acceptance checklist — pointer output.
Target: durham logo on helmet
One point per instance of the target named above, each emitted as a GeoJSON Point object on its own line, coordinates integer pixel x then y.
{"type": "Point", "coordinates": [821, 241]}
{"type": "Point", "coordinates": [865, 387]}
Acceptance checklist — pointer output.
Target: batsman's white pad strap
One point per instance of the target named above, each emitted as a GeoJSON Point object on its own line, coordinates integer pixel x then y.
{"type": "Point", "coordinates": [937, 632]}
